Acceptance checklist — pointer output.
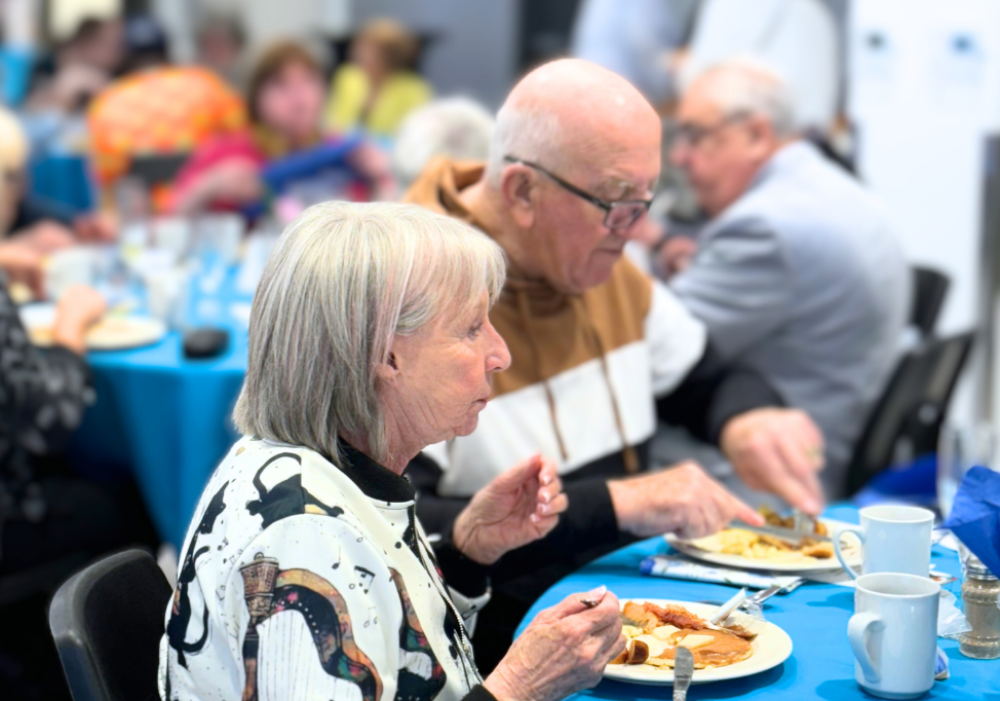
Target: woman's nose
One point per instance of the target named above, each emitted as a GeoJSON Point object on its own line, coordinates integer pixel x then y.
{"type": "Point", "coordinates": [499, 357]}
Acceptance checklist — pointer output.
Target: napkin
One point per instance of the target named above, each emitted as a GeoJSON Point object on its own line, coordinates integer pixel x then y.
{"type": "Point", "coordinates": [975, 516]}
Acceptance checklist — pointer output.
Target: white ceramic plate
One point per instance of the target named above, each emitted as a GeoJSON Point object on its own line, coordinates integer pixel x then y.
{"type": "Point", "coordinates": [110, 333]}
{"type": "Point", "coordinates": [770, 648]}
{"type": "Point", "coordinates": [852, 552]}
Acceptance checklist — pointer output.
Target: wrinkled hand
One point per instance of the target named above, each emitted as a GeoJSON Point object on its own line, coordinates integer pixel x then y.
{"type": "Point", "coordinates": [518, 507]}
{"type": "Point", "coordinates": [23, 264]}
{"type": "Point", "coordinates": [682, 500]}
{"type": "Point", "coordinates": [563, 651]}
{"type": "Point", "coordinates": [780, 451]}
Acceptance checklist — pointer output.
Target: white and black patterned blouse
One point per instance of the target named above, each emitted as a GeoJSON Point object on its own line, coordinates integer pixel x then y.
{"type": "Point", "coordinates": [43, 394]}
{"type": "Point", "coordinates": [303, 580]}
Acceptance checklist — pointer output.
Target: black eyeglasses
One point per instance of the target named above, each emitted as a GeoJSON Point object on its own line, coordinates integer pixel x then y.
{"type": "Point", "coordinates": [618, 215]}
{"type": "Point", "coordinates": [691, 135]}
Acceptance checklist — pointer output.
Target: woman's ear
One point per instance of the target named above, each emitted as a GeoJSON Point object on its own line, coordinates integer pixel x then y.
{"type": "Point", "coordinates": [388, 369]}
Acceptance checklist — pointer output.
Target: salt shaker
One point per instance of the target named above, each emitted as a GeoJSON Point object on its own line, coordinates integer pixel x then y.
{"type": "Point", "coordinates": [980, 592]}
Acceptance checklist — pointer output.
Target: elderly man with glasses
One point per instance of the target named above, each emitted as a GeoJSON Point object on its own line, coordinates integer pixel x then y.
{"type": "Point", "coordinates": [598, 351]}
{"type": "Point", "coordinates": [798, 273]}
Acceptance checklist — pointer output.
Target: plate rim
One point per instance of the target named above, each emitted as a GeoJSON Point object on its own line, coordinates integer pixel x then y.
{"type": "Point", "coordinates": [684, 547]}
{"type": "Point", "coordinates": [694, 679]}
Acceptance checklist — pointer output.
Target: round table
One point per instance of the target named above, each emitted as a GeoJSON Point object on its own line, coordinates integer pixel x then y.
{"type": "Point", "coordinates": [814, 615]}
{"type": "Point", "coordinates": [164, 417]}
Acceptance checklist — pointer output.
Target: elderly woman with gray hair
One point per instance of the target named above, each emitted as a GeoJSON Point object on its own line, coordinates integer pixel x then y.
{"type": "Point", "coordinates": [305, 573]}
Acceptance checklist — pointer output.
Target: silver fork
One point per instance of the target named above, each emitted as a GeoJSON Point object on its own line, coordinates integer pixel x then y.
{"type": "Point", "coordinates": [683, 671]}
{"type": "Point", "coordinates": [762, 596]}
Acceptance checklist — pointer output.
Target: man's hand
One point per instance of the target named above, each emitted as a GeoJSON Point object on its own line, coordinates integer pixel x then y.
{"type": "Point", "coordinates": [780, 451]}
{"type": "Point", "coordinates": [682, 500]}
{"type": "Point", "coordinates": [518, 507]}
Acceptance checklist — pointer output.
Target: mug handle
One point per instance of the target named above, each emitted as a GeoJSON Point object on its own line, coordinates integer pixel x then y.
{"type": "Point", "coordinates": [837, 537]}
{"type": "Point", "coordinates": [857, 629]}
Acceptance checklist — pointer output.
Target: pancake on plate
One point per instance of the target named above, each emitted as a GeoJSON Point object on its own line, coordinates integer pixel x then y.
{"type": "Point", "coordinates": [655, 632]}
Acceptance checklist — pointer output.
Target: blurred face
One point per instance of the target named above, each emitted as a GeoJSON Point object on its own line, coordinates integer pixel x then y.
{"type": "Point", "coordinates": [580, 241]}
{"type": "Point", "coordinates": [720, 154]}
{"type": "Point", "coordinates": [291, 102]}
{"type": "Point", "coordinates": [106, 49]}
{"type": "Point", "coordinates": [218, 49]}
{"type": "Point", "coordinates": [443, 374]}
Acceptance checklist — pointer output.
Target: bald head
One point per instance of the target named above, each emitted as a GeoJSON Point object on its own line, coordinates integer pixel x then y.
{"type": "Point", "coordinates": [571, 113]}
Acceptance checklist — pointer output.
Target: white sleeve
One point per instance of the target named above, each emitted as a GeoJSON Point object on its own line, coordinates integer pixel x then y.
{"type": "Point", "coordinates": [676, 339]}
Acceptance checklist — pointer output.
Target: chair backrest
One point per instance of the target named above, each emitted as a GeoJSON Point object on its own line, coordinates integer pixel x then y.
{"type": "Point", "coordinates": [906, 421]}
{"type": "Point", "coordinates": [930, 288]}
{"type": "Point", "coordinates": [107, 622]}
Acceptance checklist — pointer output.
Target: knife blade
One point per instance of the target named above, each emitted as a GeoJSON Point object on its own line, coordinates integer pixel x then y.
{"type": "Point", "coordinates": [683, 671]}
{"type": "Point", "coordinates": [789, 534]}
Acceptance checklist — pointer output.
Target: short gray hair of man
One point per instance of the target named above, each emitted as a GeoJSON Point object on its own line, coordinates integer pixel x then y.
{"type": "Point", "coordinates": [342, 280]}
{"type": "Point", "coordinates": [532, 135]}
{"type": "Point", "coordinates": [751, 87]}
{"type": "Point", "coordinates": [458, 128]}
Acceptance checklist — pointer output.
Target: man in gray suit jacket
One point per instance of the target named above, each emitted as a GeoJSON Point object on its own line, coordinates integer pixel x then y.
{"type": "Point", "coordinates": [798, 274]}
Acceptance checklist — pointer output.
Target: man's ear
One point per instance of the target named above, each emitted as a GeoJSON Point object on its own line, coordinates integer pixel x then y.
{"type": "Point", "coordinates": [519, 189]}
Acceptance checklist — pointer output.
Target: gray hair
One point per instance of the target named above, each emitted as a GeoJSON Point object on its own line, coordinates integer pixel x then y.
{"type": "Point", "coordinates": [528, 134]}
{"type": "Point", "coordinates": [457, 127]}
{"type": "Point", "coordinates": [751, 87]}
{"type": "Point", "coordinates": [342, 280]}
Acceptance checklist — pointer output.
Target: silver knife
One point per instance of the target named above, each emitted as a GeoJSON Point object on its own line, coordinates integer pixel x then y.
{"type": "Point", "coordinates": [683, 670]}
{"type": "Point", "coordinates": [789, 534]}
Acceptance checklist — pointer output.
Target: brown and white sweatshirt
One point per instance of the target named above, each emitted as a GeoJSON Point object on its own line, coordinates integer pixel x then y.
{"type": "Point", "coordinates": [590, 374]}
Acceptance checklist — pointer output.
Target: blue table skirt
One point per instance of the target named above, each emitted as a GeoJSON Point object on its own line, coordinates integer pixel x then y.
{"type": "Point", "coordinates": [814, 615]}
{"type": "Point", "coordinates": [165, 418]}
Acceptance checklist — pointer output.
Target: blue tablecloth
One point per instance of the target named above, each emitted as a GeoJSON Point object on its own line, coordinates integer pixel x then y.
{"type": "Point", "coordinates": [814, 615]}
{"type": "Point", "coordinates": [166, 418]}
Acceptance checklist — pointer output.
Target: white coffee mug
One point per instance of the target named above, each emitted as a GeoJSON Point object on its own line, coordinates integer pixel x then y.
{"type": "Point", "coordinates": [894, 539]}
{"type": "Point", "coordinates": [893, 634]}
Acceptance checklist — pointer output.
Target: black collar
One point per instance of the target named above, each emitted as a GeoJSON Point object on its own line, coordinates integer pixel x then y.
{"type": "Point", "coordinates": [376, 481]}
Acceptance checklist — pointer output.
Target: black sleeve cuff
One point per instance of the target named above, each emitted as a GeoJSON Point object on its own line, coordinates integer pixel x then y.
{"type": "Point", "coordinates": [479, 693]}
{"type": "Point", "coordinates": [741, 390]}
{"type": "Point", "coordinates": [460, 573]}
{"type": "Point", "coordinates": [590, 519]}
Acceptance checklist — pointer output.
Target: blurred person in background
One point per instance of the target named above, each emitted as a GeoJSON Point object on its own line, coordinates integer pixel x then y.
{"type": "Point", "coordinates": [379, 86]}
{"type": "Point", "coordinates": [42, 224]}
{"type": "Point", "coordinates": [797, 38]}
{"type": "Point", "coordinates": [457, 128]}
{"type": "Point", "coordinates": [798, 274]}
{"type": "Point", "coordinates": [285, 102]}
{"type": "Point", "coordinates": [51, 521]}
{"type": "Point", "coordinates": [157, 109]}
{"type": "Point", "coordinates": [599, 351]}
{"type": "Point", "coordinates": [220, 46]}
{"type": "Point", "coordinates": [636, 40]}
{"type": "Point", "coordinates": [81, 66]}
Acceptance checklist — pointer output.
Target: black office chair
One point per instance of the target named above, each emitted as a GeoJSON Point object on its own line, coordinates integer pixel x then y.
{"type": "Point", "coordinates": [107, 622]}
{"type": "Point", "coordinates": [930, 288]}
{"type": "Point", "coordinates": [906, 421]}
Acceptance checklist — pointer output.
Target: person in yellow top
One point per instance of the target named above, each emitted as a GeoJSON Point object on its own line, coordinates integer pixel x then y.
{"type": "Point", "coordinates": [378, 88]}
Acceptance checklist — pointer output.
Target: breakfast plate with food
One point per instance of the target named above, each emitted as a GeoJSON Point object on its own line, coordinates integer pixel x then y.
{"type": "Point", "coordinates": [740, 646]}
{"type": "Point", "coordinates": [744, 548]}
